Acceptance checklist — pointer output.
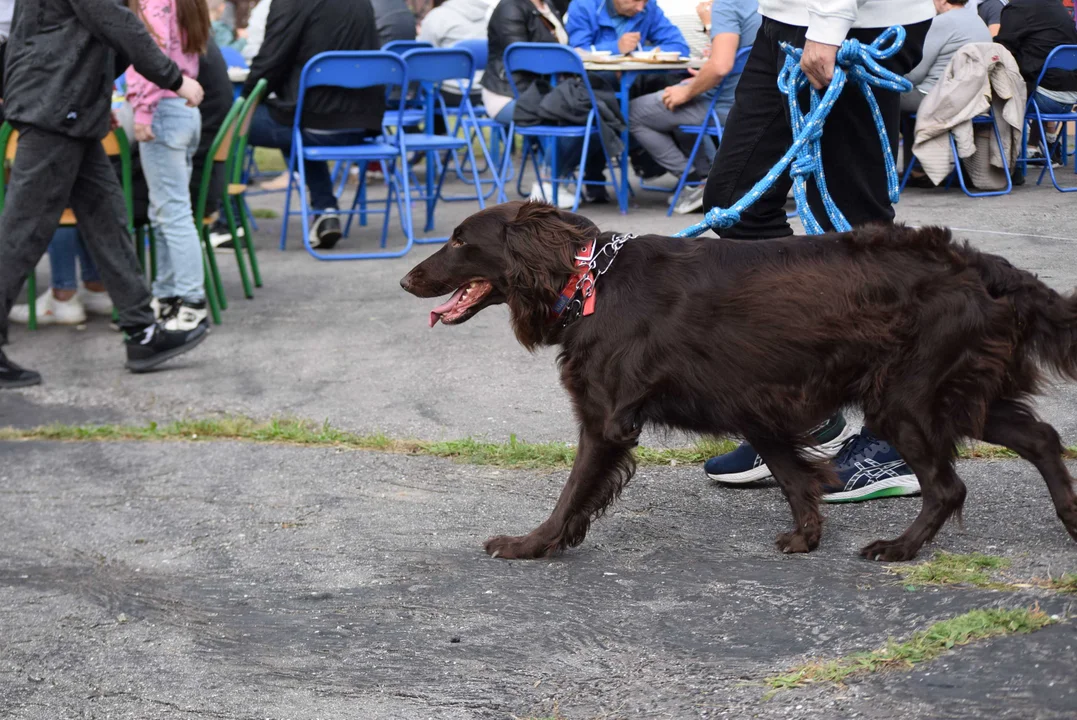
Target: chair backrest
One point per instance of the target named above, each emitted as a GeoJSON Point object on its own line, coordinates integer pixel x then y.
{"type": "Point", "coordinates": [479, 49]}
{"type": "Point", "coordinates": [544, 59]}
{"type": "Point", "coordinates": [234, 58]}
{"type": "Point", "coordinates": [436, 65]}
{"type": "Point", "coordinates": [239, 146]}
{"type": "Point", "coordinates": [218, 151]}
{"type": "Point", "coordinates": [402, 46]}
{"type": "Point", "coordinates": [351, 70]}
{"type": "Point", "coordinates": [1063, 57]}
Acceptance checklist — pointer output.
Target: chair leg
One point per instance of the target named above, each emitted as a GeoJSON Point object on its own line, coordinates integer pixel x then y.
{"type": "Point", "coordinates": [140, 249]}
{"type": "Point", "coordinates": [31, 297]}
{"type": "Point", "coordinates": [248, 239]}
{"type": "Point", "coordinates": [153, 253]}
{"type": "Point", "coordinates": [288, 198]}
{"type": "Point", "coordinates": [211, 291]}
{"type": "Point", "coordinates": [215, 273]}
{"type": "Point", "coordinates": [237, 245]}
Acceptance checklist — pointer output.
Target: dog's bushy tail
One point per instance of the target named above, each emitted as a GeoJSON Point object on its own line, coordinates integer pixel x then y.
{"type": "Point", "coordinates": [1047, 320]}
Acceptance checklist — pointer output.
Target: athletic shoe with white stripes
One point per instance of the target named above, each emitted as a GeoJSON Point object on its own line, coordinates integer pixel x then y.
{"type": "Point", "coordinates": [870, 468]}
{"type": "Point", "coordinates": [744, 465]}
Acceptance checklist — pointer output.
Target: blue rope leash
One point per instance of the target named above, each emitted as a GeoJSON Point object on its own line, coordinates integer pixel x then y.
{"type": "Point", "coordinates": [804, 157]}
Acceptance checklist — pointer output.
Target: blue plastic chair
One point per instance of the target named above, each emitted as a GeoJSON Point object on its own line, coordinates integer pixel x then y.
{"type": "Point", "coordinates": [986, 119]}
{"type": "Point", "coordinates": [430, 68]}
{"type": "Point", "coordinates": [400, 47]}
{"type": "Point", "coordinates": [548, 59]}
{"type": "Point", "coordinates": [710, 127]}
{"type": "Point", "coordinates": [497, 133]}
{"type": "Point", "coordinates": [351, 70]}
{"type": "Point", "coordinates": [233, 57]}
{"type": "Point", "coordinates": [1063, 57]}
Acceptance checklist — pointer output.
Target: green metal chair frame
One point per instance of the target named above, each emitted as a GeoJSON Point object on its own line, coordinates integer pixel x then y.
{"type": "Point", "coordinates": [115, 144]}
{"type": "Point", "coordinates": [234, 201]}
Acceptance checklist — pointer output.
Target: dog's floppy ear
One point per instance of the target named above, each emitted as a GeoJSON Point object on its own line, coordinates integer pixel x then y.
{"type": "Point", "coordinates": [540, 243]}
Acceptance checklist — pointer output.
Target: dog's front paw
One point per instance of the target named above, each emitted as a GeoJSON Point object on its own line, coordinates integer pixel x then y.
{"type": "Point", "coordinates": [794, 542]}
{"type": "Point", "coordinates": [888, 551]}
{"type": "Point", "coordinates": [525, 547]}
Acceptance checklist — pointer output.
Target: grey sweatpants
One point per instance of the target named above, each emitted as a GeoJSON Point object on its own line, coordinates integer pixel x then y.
{"type": "Point", "coordinates": [52, 172]}
{"type": "Point", "coordinates": [653, 126]}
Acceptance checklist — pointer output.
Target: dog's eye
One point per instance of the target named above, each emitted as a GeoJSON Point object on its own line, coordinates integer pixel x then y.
{"type": "Point", "coordinates": [456, 242]}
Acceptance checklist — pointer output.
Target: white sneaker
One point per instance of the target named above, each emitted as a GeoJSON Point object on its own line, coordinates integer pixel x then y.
{"type": "Point", "coordinates": [187, 317]}
{"type": "Point", "coordinates": [666, 181]}
{"type": "Point", "coordinates": [164, 308]}
{"type": "Point", "coordinates": [51, 311]}
{"type": "Point", "coordinates": [95, 302]}
{"type": "Point", "coordinates": [543, 192]}
{"type": "Point", "coordinates": [691, 200]}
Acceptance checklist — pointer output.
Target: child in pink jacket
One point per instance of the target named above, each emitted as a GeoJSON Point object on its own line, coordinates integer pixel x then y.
{"type": "Point", "coordinates": [168, 132]}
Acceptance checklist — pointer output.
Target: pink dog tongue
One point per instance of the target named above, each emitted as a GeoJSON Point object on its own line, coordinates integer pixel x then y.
{"type": "Point", "coordinates": [440, 310]}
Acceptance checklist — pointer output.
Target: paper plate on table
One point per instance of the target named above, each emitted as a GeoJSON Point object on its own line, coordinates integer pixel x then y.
{"type": "Point", "coordinates": [657, 56]}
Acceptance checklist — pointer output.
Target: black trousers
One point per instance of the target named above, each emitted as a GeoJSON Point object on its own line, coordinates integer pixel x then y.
{"type": "Point", "coordinates": [52, 172]}
{"type": "Point", "coordinates": [758, 132]}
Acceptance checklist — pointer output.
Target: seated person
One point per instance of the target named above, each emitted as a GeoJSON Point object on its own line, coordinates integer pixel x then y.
{"type": "Point", "coordinates": [256, 29]}
{"type": "Point", "coordinates": [455, 20]}
{"type": "Point", "coordinates": [1031, 29]}
{"type": "Point", "coordinates": [394, 19]}
{"type": "Point", "coordinates": [224, 32]}
{"type": "Point", "coordinates": [296, 32]}
{"type": "Point", "coordinates": [622, 27]}
{"type": "Point", "coordinates": [654, 118]}
{"type": "Point", "coordinates": [990, 11]}
{"type": "Point", "coordinates": [955, 26]}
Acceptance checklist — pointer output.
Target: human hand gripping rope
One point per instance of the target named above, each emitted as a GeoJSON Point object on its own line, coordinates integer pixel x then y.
{"type": "Point", "coordinates": [804, 157]}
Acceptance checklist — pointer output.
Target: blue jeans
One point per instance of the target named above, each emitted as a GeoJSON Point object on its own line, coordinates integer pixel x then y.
{"type": "Point", "coordinates": [1050, 106]}
{"type": "Point", "coordinates": [166, 163]}
{"type": "Point", "coordinates": [66, 245]}
{"type": "Point", "coordinates": [267, 132]}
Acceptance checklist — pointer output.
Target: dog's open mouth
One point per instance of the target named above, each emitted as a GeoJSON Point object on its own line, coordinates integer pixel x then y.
{"type": "Point", "coordinates": [464, 299]}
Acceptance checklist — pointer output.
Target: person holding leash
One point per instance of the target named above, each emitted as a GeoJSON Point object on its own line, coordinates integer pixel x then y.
{"type": "Point", "coordinates": [757, 134]}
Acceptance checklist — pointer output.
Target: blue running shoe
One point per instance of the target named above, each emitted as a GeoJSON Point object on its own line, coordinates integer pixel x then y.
{"type": "Point", "coordinates": [744, 465]}
{"type": "Point", "coordinates": [870, 468]}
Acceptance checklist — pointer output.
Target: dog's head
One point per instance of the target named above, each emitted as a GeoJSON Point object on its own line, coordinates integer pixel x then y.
{"type": "Point", "coordinates": [520, 253]}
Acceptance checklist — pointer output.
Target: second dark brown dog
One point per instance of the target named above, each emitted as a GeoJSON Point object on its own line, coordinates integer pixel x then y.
{"type": "Point", "coordinates": [936, 341]}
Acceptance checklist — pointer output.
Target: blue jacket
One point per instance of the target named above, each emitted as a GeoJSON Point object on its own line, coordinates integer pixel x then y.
{"type": "Point", "coordinates": [589, 23]}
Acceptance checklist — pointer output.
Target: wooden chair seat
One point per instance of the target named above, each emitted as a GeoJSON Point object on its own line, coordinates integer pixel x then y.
{"type": "Point", "coordinates": [236, 188]}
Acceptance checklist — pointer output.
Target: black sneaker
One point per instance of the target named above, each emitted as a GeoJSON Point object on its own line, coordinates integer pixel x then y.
{"type": "Point", "coordinates": [13, 376]}
{"type": "Point", "coordinates": [870, 468]}
{"type": "Point", "coordinates": [164, 308]}
{"type": "Point", "coordinates": [596, 194]}
{"type": "Point", "coordinates": [220, 237]}
{"type": "Point", "coordinates": [325, 231]}
{"type": "Point", "coordinates": [148, 348]}
{"type": "Point", "coordinates": [744, 465]}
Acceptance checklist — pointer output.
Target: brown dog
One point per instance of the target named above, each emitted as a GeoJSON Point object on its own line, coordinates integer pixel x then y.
{"type": "Point", "coordinates": [936, 341]}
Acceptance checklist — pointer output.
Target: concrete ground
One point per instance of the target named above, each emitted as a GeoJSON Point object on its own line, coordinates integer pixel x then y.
{"type": "Point", "coordinates": [232, 580]}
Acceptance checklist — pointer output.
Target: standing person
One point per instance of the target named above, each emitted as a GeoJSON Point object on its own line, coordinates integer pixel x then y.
{"type": "Point", "coordinates": [296, 31]}
{"type": "Point", "coordinates": [60, 102]}
{"type": "Point", "coordinates": [168, 132]}
{"type": "Point", "coordinates": [758, 134]}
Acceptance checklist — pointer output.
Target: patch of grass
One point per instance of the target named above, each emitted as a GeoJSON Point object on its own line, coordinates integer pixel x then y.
{"type": "Point", "coordinates": [921, 647]}
{"type": "Point", "coordinates": [269, 159]}
{"type": "Point", "coordinates": [952, 569]}
{"type": "Point", "coordinates": [265, 213]}
{"type": "Point", "coordinates": [512, 454]}
{"type": "Point", "coordinates": [1066, 583]}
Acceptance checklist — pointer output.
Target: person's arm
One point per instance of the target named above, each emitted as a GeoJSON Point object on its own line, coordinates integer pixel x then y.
{"type": "Point", "coordinates": [277, 55]}
{"type": "Point", "coordinates": [142, 93]}
{"type": "Point", "coordinates": [582, 28]}
{"type": "Point", "coordinates": [665, 35]}
{"type": "Point", "coordinates": [114, 24]}
{"type": "Point", "coordinates": [933, 43]}
{"type": "Point", "coordinates": [724, 48]}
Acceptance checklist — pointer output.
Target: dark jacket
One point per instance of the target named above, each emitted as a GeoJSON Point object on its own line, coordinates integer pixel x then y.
{"type": "Point", "coordinates": [296, 31]}
{"type": "Point", "coordinates": [1031, 29]}
{"type": "Point", "coordinates": [569, 104]}
{"type": "Point", "coordinates": [62, 59]}
{"type": "Point", "coordinates": [394, 19]}
{"type": "Point", "coordinates": [513, 21]}
{"type": "Point", "coordinates": [213, 76]}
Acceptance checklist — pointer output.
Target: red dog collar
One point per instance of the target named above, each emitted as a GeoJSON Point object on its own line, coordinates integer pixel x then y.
{"type": "Point", "coordinates": [583, 280]}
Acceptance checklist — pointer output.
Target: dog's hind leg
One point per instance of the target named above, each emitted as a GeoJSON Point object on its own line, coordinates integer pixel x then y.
{"type": "Point", "coordinates": [600, 472]}
{"type": "Point", "coordinates": [1013, 425]}
{"type": "Point", "coordinates": [801, 481]}
{"type": "Point", "coordinates": [943, 493]}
